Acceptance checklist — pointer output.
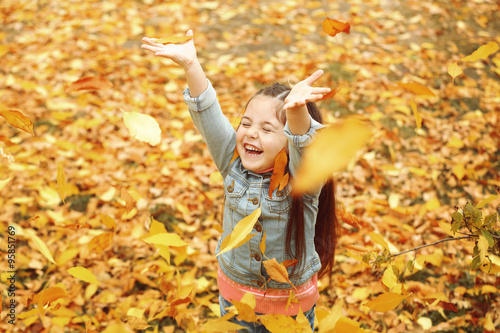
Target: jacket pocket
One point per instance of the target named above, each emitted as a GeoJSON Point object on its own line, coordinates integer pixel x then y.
{"type": "Point", "coordinates": [234, 190]}
{"type": "Point", "coordinates": [280, 201]}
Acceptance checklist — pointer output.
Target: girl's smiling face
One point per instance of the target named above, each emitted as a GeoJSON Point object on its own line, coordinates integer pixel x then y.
{"type": "Point", "coordinates": [260, 136]}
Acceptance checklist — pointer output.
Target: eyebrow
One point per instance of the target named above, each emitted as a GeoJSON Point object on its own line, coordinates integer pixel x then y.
{"type": "Point", "coordinates": [265, 122]}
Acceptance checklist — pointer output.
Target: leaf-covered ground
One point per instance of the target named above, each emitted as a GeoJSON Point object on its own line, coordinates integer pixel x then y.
{"type": "Point", "coordinates": [403, 185]}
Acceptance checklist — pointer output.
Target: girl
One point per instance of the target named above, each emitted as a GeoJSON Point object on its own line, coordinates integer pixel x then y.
{"type": "Point", "coordinates": [302, 228]}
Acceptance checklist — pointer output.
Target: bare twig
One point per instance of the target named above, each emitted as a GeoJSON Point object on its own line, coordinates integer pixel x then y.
{"type": "Point", "coordinates": [426, 245]}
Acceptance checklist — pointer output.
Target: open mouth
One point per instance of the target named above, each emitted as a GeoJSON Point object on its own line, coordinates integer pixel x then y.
{"type": "Point", "coordinates": [252, 150]}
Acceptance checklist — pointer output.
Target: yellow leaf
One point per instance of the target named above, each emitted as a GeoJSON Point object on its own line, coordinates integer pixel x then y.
{"type": "Point", "coordinates": [330, 151]}
{"type": "Point", "coordinates": [377, 238]}
{"type": "Point", "coordinates": [108, 221]}
{"type": "Point", "coordinates": [417, 89]}
{"type": "Point", "coordinates": [129, 201]}
{"type": "Point", "coordinates": [263, 243]}
{"type": "Point", "coordinates": [425, 322]}
{"type": "Point", "coordinates": [291, 299]}
{"type": "Point", "coordinates": [385, 302]}
{"type": "Point", "coordinates": [277, 271]}
{"type": "Point", "coordinates": [40, 245]}
{"type": "Point", "coordinates": [454, 70]}
{"type": "Point", "coordinates": [280, 323]}
{"type": "Point", "coordinates": [482, 52]}
{"type": "Point", "coordinates": [418, 117]}
{"type": "Point", "coordinates": [488, 323]}
{"type": "Point", "coordinates": [61, 181]}
{"type": "Point", "coordinates": [167, 239]}
{"type": "Point", "coordinates": [18, 120]}
{"type": "Point", "coordinates": [483, 246]}
{"type": "Point", "coordinates": [459, 171]}
{"type": "Point", "coordinates": [327, 323]}
{"type": "Point", "coordinates": [486, 201]}
{"type": "Point", "coordinates": [246, 308]}
{"type": "Point", "coordinates": [346, 325]}
{"type": "Point", "coordinates": [100, 242]}
{"type": "Point", "coordinates": [83, 274]}
{"type": "Point", "coordinates": [455, 142]}
{"type": "Point", "coordinates": [48, 295]}
{"type": "Point", "coordinates": [389, 279]}
{"type": "Point", "coordinates": [174, 40]}
{"type": "Point", "coordinates": [240, 232]}
{"type": "Point", "coordinates": [221, 325]}
{"type": "Point", "coordinates": [142, 127]}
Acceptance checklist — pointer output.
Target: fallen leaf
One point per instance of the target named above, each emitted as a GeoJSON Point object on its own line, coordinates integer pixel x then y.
{"type": "Point", "coordinates": [61, 181]}
{"type": "Point", "coordinates": [107, 221]}
{"type": "Point", "coordinates": [89, 83]}
{"type": "Point", "coordinates": [142, 127]}
{"type": "Point", "coordinates": [100, 242]}
{"type": "Point", "coordinates": [240, 232]}
{"type": "Point", "coordinates": [385, 302]}
{"type": "Point", "coordinates": [40, 245]}
{"type": "Point", "coordinates": [83, 274]}
{"type": "Point", "coordinates": [418, 117]}
{"type": "Point", "coordinates": [482, 52]}
{"type": "Point", "coordinates": [18, 120]}
{"type": "Point", "coordinates": [129, 201]}
{"type": "Point", "coordinates": [174, 40]}
{"type": "Point", "coordinates": [330, 151]}
{"type": "Point", "coordinates": [333, 27]}
{"type": "Point", "coordinates": [49, 295]}
{"type": "Point", "coordinates": [377, 238]}
{"type": "Point", "coordinates": [165, 238]}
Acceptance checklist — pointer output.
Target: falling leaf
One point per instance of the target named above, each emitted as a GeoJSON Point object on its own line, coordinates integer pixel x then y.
{"type": "Point", "coordinates": [330, 151]}
{"type": "Point", "coordinates": [263, 243]}
{"type": "Point", "coordinates": [333, 27]}
{"type": "Point", "coordinates": [486, 201]}
{"type": "Point", "coordinates": [418, 117]}
{"type": "Point", "coordinates": [459, 171]}
{"type": "Point", "coordinates": [291, 299]}
{"type": "Point", "coordinates": [276, 271]}
{"type": "Point", "coordinates": [284, 181]}
{"type": "Point", "coordinates": [83, 274]}
{"type": "Point", "coordinates": [174, 40]}
{"type": "Point", "coordinates": [235, 155]}
{"type": "Point", "coordinates": [454, 70]}
{"type": "Point", "coordinates": [167, 239]}
{"type": "Point", "coordinates": [290, 262]}
{"type": "Point", "coordinates": [345, 324]}
{"type": "Point", "coordinates": [246, 308]}
{"type": "Point", "coordinates": [281, 323]}
{"type": "Point", "coordinates": [330, 94]}
{"type": "Point", "coordinates": [385, 302]}
{"type": "Point", "coordinates": [279, 171]}
{"type": "Point", "coordinates": [100, 242]}
{"type": "Point", "coordinates": [240, 232]}
{"type": "Point", "coordinates": [18, 120]}
{"type": "Point", "coordinates": [482, 52]}
{"type": "Point", "coordinates": [61, 181]}
{"type": "Point", "coordinates": [90, 83]}
{"type": "Point", "coordinates": [482, 245]}
{"type": "Point", "coordinates": [142, 127]}
{"type": "Point", "coordinates": [416, 88]}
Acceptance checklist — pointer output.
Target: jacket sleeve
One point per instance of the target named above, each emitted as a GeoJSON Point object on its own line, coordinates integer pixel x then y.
{"type": "Point", "coordinates": [213, 126]}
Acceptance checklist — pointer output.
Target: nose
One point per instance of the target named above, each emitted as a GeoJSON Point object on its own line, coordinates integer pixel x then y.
{"type": "Point", "coordinates": [252, 132]}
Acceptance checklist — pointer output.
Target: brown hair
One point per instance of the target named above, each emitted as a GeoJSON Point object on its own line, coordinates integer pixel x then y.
{"type": "Point", "coordinates": [326, 228]}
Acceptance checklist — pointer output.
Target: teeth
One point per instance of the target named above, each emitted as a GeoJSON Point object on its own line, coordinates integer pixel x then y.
{"type": "Point", "coordinates": [251, 148]}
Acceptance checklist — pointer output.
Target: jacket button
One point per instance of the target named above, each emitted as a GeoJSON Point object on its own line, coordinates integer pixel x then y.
{"type": "Point", "coordinates": [260, 283]}
{"type": "Point", "coordinates": [254, 201]}
{"type": "Point", "coordinates": [230, 188]}
{"type": "Point", "coordinates": [258, 228]}
{"type": "Point", "coordinates": [257, 257]}
{"type": "Point", "coordinates": [279, 193]}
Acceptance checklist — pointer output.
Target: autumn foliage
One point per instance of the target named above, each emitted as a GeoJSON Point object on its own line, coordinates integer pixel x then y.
{"type": "Point", "coordinates": [116, 203]}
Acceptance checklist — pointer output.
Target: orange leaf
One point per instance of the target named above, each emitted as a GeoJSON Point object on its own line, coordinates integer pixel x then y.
{"type": "Point", "coordinates": [330, 94]}
{"type": "Point", "coordinates": [49, 295]}
{"type": "Point", "coordinates": [385, 302]}
{"type": "Point", "coordinates": [234, 156]}
{"type": "Point", "coordinates": [174, 40]}
{"type": "Point", "coordinates": [290, 262]}
{"type": "Point", "coordinates": [284, 181]}
{"type": "Point", "coordinates": [416, 88]}
{"type": "Point", "coordinates": [279, 171]}
{"type": "Point", "coordinates": [89, 83]}
{"type": "Point", "coordinates": [100, 242]}
{"type": "Point", "coordinates": [18, 120]}
{"type": "Point", "coordinates": [333, 27]}
{"type": "Point", "coordinates": [277, 271]}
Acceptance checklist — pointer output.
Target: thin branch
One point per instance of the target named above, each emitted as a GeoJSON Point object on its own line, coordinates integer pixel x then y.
{"type": "Point", "coordinates": [426, 245]}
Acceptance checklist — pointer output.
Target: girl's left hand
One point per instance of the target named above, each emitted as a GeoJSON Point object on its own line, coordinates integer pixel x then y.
{"type": "Point", "coordinates": [304, 92]}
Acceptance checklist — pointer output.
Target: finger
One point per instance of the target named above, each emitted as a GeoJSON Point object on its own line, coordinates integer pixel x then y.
{"type": "Point", "coordinates": [314, 77]}
{"type": "Point", "coordinates": [321, 90]}
{"type": "Point", "coordinates": [189, 33]}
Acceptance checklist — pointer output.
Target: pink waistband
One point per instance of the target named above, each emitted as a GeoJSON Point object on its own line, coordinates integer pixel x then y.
{"type": "Point", "coordinates": [271, 300]}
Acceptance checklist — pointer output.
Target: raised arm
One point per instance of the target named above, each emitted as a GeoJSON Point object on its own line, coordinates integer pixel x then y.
{"type": "Point", "coordinates": [295, 104]}
{"type": "Point", "coordinates": [185, 56]}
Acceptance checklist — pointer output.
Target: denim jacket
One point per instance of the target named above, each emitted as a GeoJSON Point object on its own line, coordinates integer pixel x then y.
{"type": "Point", "coordinates": [245, 191]}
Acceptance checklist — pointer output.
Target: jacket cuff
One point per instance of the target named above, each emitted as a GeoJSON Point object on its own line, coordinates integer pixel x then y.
{"type": "Point", "coordinates": [202, 102]}
{"type": "Point", "coordinates": [301, 141]}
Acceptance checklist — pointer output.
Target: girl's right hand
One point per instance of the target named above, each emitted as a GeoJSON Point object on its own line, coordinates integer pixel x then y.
{"type": "Point", "coordinates": [182, 54]}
